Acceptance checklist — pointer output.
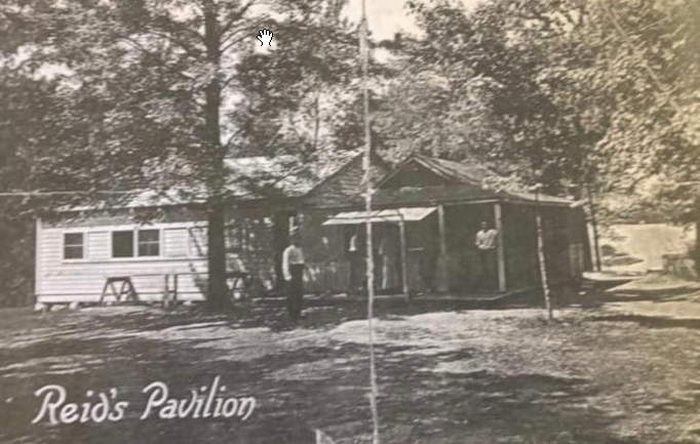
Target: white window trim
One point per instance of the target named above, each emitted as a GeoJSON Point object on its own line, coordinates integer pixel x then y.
{"type": "Point", "coordinates": [109, 229]}
{"type": "Point", "coordinates": [86, 253]}
{"type": "Point", "coordinates": [135, 244]}
{"type": "Point", "coordinates": [111, 244]}
{"type": "Point", "coordinates": [160, 243]}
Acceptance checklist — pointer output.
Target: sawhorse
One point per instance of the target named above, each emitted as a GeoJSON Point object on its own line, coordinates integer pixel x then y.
{"type": "Point", "coordinates": [127, 290]}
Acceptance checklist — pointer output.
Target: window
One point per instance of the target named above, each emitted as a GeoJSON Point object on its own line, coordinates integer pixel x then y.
{"type": "Point", "coordinates": [73, 246]}
{"type": "Point", "coordinates": [135, 243]}
{"type": "Point", "coordinates": [123, 243]}
{"type": "Point", "coordinates": [149, 242]}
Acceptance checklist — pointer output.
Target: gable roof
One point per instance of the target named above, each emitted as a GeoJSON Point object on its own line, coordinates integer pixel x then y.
{"type": "Point", "coordinates": [463, 182]}
{"type": "Point", "coordinates": [247, 179]}
{"type": "Point", "coordinates": [344, 187]}
{"type": "Point", "coordinates": [260, 177]}
{"type": "Point", "coordinates": [448, 170]}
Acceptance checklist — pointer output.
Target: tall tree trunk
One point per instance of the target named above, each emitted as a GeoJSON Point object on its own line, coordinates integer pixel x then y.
{"type": "Point", "coordinates": [594, 225]}
{"type": "Point", "coordinates": [216, 256]}
{"type": "Point", "coordinates": [541, 258]}
{"type": "Point", "coordinates": [367, 166]}
{"type": "Point", "coordinates": [696, 253]}
{"type": "Point", "coordinates": [317, 117]}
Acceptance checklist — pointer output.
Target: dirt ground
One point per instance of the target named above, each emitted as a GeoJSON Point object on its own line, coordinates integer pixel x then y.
{"type": "Point", "coordinates": [613, 371]}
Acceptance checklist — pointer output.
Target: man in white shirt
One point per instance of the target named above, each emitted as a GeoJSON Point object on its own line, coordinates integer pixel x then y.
{"type": "Point", "coordinates": [355, 259]}
{"type": "Point", "coordinates": [293, 271]}
{"type": "Point", "coordinates": [486, 242]}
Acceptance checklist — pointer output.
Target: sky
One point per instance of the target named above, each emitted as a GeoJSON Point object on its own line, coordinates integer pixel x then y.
{"type": "Point", "coordinates": [387, 17]}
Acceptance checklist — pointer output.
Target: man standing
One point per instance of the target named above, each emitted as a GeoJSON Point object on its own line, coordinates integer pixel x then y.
{"type": "Point", "coordinates": [486, 240]}
{"type": "Point", "coordinates": [293, 270]}
{"type": "Point", "coordinates": [355, 257]}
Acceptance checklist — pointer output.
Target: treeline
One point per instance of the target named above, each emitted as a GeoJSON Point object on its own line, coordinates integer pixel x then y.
{"type": "Point", "coordinates": [584, 97]}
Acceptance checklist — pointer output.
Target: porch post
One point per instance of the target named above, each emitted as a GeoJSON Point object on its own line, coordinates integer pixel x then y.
{"type": "Point", "coordinates": [497, 216]}
{"type": "Point", "coordinates": [442, 284]}
{"type": "Point", "coordinates": [404, 268]}
{"type": "Point", "coordinates": [38, 253]}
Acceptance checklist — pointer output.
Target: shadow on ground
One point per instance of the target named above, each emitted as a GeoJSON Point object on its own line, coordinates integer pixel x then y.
{"type": "Point", "coordinates": [487, 380]}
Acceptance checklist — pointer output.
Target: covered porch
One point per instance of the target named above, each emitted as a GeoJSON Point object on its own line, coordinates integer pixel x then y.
{"type": "Point", "coordinates": [423, 249]}
{"type": "Point", "coordinates": [426, 215]}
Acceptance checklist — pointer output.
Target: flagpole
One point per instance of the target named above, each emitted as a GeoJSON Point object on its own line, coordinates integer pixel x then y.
{"type": "Point", "coordinates": [367, 164]}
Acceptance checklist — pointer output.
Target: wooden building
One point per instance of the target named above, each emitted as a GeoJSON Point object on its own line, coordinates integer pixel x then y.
{"type": "Point", "coordinates": [427, 212]}
{"type": "Point", "coordinates": [159, 241]}
{"type": "Point", "coordinates": [326, 251]}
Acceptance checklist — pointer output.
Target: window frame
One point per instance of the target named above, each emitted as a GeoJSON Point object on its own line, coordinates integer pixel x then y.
{"type": "Point", "coordinates": [135, 244]}
{"type": "Point", "coordinates": [84, 235]}
{"type": "Point", "coordinates": [111, 244]}
{"type": "Point", "coordinates": [158, 242]}
{"type": "Point", "coordinates": [98, 249]}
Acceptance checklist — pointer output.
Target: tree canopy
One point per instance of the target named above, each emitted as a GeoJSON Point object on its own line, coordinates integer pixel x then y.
{"type": "Point", "coordinates": [572, 94]}
{"type": "Point", "coordinates": [156, 93]}
{"type": "Point", "coordinates": [576, 92]}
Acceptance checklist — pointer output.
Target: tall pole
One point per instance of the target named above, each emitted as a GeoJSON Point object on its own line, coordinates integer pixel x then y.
{"type": "Point", "coordinates": [541, 256]}
{"type": "Point", "coordinates": [367, 164]}
{"type": "Point", "coordinates": [594, 225]}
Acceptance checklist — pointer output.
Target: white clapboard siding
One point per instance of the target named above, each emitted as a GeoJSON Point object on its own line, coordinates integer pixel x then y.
{"type": "Point", "coordinates": [98, 247]}
{"type": "Point", "coordinates": [182, 252]}
{"type": "Point", "coordinates": [197, 241]}
{"type": "Point", "coordinates": [175, 242]}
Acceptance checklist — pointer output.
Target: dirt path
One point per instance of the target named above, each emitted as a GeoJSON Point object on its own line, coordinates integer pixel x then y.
{"type": "Point", "coordinates": [602, 375]}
